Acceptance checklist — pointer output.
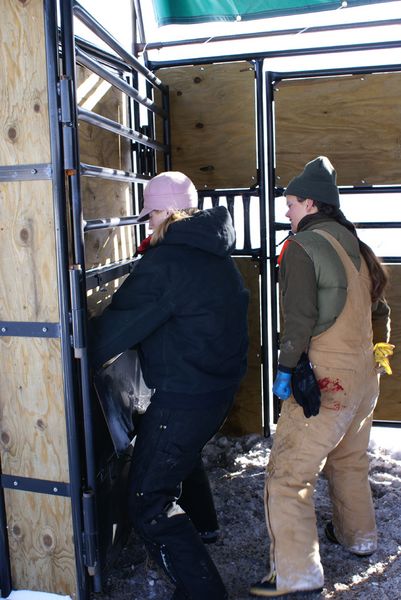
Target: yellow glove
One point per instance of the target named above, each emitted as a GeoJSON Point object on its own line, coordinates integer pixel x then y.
{"type": "Point", "coordinates": [382, 351]}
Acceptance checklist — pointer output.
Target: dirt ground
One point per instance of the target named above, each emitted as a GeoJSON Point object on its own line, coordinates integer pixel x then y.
{"type": "Point", "coordinates": [236, 468]}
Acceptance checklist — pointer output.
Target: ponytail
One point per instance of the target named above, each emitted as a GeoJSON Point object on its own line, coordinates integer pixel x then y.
{"type": "Point", "coordinates": [177, 215]}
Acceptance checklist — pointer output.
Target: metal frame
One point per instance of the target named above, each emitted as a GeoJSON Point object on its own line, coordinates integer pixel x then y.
{"type": "Point", "coordinates": [69, 369]}
{"type": "Point", "coordinates": [74, 281]}
{"type": "Point", "coordinates": [272, 78]}
{"type": "Point", "coordinates": [267, 34]}
{"type": "Point", "coordinates": [40, 486]}
{"type": "Point", "coordinates": [29, 329]}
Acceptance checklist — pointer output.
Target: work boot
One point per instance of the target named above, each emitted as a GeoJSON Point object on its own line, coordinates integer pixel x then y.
{"type": "Point", "coordinates": [331, 536]}
{"type": "Point", "coordinates": [267, 588]}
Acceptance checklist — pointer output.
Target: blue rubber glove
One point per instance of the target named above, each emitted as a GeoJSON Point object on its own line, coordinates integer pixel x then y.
{"type": "Point", "coordinates": [282, 385]}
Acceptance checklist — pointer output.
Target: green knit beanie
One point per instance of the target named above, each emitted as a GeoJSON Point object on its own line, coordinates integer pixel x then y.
{"type": "Point", "coordinates": [317, 181]}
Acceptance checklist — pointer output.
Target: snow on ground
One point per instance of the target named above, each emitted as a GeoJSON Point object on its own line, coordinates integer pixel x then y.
{"type": "Point", "coordinates": [237, 468]}
{"type": "Point", "coordinates": [28, 595]}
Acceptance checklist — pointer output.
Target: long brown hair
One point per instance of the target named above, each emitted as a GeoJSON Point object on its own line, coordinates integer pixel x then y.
{"type": "Point", "coordinates": [378, 273]}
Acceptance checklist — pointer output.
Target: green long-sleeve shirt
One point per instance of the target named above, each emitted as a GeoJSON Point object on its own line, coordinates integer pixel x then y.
{"type": "Point", "coordinates": [299, 293]}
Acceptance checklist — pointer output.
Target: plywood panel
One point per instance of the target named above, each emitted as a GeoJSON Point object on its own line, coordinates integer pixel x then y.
{"type": "Point", "coordinates": [32, 419]}
{"type": "Point", "coordinates": [354, 120]}
{"type": "Point", "coordinates": [246, 415]}
{"type": "Point", "coordinates": [389, 404]}
{"type": "Point", "coordinates": [28, 290]}
{"type": "Point", "coordinates": [23, 89]}
{"type": "Point", "coordinates": [41, 542]}
{"type": "Point", "coordinates": [212, 124]}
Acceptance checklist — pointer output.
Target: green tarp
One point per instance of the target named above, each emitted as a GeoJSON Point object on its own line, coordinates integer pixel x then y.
{"type": "Point", "coordinates": [201, 11]}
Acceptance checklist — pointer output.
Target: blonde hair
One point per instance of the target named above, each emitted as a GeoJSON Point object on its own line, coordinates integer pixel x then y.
{"type": "Point", "coordinates": [177, 215]}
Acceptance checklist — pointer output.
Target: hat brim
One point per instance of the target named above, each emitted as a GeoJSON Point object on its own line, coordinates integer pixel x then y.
{"type": "Point", "coordinates": [144, 215]}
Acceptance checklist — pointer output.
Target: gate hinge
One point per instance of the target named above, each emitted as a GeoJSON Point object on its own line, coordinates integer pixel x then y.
{"type": "Point", "coordinates": [66, 119]}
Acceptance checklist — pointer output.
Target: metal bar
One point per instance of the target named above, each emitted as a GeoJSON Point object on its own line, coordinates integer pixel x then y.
{"type": "Point", "coordinates": [230, 207]}
{"type": "Point", "coordinates": [109, 223]}
{"type": "Point", "coordinates": [263, 235]}
{"type": "Point", "coordinates": [377, 423]}
{"type": "Point", "coordinates": [272, 33]}
{"type": "Point", "coordinates": [246, 202]}
{"type": "Point", "coordinates": [95, 67]}
{"type": "Point", "coordinates": [277, 77]}
{"type": "Point", "coordinates": [40, 486]}
{"type": "Point", "coordinates": [277, 54]}
{"type": "Point", "coordinates": [254, 253]}
{"type": "Point", "coordinates": [364, 225]}
{"type": "Point", "coordinates": [102, 275]}
{"type": "Point", "coordinates": [151, 156]}
{"type": "Point", "coordinates": [116, 174]}
{"type": "Point", "coordinates": [29, 329]}
{"type": "Point", "coordinates": [167, 131]}
{"type": "Point", "coordinates": [215, 200]}
{"type": "Point", "coordinates": [101, 54]}
{"type": "Point", "coordinates": [78, 257]}
{"type": "Point", "coordinates": [26, 172]}
{"type": "Point", "coordinates": [104, 35]}
{"type": "Point", "coordinates": [115, 127]}
{"type": "Point", "coordinates": [78, 313]}
{"type": "Point", "coordinates": [361, 189]}
{"type": "Point", "coordinates": [138, 156]}
{"type": "Point", "coordinates": [272, 247]}
{"type": "Point", "coordinates": [233, 191]}
{"type": "Point", "coordinates": [60, 233]}
{"type": "Point", "coordinates": [90, 530]}
{"type": "Point", "coordinates": [141, 30]}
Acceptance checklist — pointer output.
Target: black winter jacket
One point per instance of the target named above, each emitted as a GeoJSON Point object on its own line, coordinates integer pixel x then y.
{"type": "Point", "coordinates": [184, 306]}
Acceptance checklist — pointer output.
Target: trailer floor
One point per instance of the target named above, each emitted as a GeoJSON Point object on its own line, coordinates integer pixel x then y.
{"type": "Point", "coordinates": [236, 467]}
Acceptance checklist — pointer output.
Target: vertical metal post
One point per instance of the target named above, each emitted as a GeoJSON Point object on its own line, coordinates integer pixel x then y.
{"type": "Point", "coordinates": [150, 154]}
{"type": "Point", "coordinates": [61, 237]}
{"type": "Point", "coordinates": [263, 243]}
{"type": "Point", "coordinates": [73, 173]}
{"type": "Point", "coordinates": [271, 152]}
{"type": "Point", "coordinates": [167, 129]}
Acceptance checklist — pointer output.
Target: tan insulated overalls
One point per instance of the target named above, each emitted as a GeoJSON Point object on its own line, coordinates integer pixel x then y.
{"type": "Point", "coordinates": [336, 439]}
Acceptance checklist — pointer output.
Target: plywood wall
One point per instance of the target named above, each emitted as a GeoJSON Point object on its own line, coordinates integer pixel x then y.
{"type": "Point", "coordinates": [246, 414]}
{"type": "Point", "coordinates": [389, 404]}
{"type": "Point", "coordinates": [213, 138]}
{"type": "Point", "coordinates": [354, 120]}
{"type": "Point", "coordinates": [32, 418]}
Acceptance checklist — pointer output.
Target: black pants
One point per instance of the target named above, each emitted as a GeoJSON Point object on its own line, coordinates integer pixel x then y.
{"type": "Point", "coordinates": [167, 450]}
{"type": "Point", "coordinates": [197, 500]}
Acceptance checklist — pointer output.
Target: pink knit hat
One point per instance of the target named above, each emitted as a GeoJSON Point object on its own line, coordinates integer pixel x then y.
{"type": "Point", "coordinates": [171, 190]}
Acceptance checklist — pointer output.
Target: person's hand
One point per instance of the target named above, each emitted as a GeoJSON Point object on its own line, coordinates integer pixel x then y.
{"type": "Point", "coordinates": [382, 351]}
{"type": "Point", "coordinates": [282, 385]}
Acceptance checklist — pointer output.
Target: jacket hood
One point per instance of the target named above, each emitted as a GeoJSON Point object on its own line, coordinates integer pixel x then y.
{"type": "Point", "coordinates": [209, 230]}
